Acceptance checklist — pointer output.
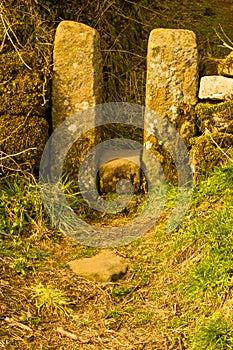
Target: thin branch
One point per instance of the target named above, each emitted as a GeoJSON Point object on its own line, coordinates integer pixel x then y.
{"type": "Point", "coordinates": [215, 143]}
{"type": "Point", "coordinates": [224, 43]}
{"type": "Point", "coordinates": [225, 35]}
{"type": "Point", "coordinates": [14, 323]}
{"type": "Point", "coordinates": [125, 51]}
{"type": "Point", "coordinates": [16, 129]}
{"type": "Point", "coordinates": [12, 42]}
{"type": "Point", "coordinates": [72, 335]}
{"type": "Point", "coordinates": [9, 28]}
{"type": "Point", "coordinates": [17, 154]}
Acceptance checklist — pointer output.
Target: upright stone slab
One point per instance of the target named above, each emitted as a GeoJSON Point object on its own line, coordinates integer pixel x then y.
{"type": "Point", "coordinates": [77, 85]}
{"type": "Point", "coordinates": [172, 79]}
{"type": "Point", "coordinates": [171, 87]}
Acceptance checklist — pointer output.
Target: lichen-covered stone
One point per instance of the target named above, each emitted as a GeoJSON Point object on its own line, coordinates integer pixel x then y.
{"type": "Point", "coordinates": [118, 169]}
{"type": "Point", "coordinates": [104, 267]}
{"type": "Point", "coordinates": [172, 66]}
{"type": "Point", "coordinates": [22, 141]}
{"type": "Point", "coordinates": [171, 90]}
{"type": "Point", "coordinates": [215, 117]}
{"type": "Point", "coordinates": [216, 87]}
{"type": "Point", "coordinates": [77, 83]}
{"type": "Point", "coordinates": [209, 151]}
{"type": "Point", "coordinates": [225, 67]}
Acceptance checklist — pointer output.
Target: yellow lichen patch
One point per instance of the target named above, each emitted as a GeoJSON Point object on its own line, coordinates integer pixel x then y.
{"type": "Point", "coordinates": [22, 141]}
{"type": "Point", "coordinates": [215, 117]}
{"type": "Point", "coordinates": [209, 151]}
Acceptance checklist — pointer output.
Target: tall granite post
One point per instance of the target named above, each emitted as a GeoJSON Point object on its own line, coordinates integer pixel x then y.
{"type": "Point", "coordinates": [77, 85]}
{"type": "Point", "coordinates": [171, 90]}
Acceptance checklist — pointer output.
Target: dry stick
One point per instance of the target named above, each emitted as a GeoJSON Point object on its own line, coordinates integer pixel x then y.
{"type": "Point", "coordinates": [226, 36]}
{"type": "Point", "coordinates": [16, 154]}
{"type": "Point", "coordinates": [3, 42]}
{"type": "Point", "coordinates": [9, 27]}
{"type": "Point", "coordinates": [71, 335]}
{"type": "Point", "coordinates": [67, 334]}
{"type": "Point", "coordinates": [226, 155]}
{"type": "Point", "coordinates": [223, 41]}
{"type": "Point", "coordinates": [12, 322]}
{"type": "Point", "coordinates": [125, 51]}
{"type": "Point", "coordinates": [9, 37]}
{"type": "Point", "coordinates": [16, 129]}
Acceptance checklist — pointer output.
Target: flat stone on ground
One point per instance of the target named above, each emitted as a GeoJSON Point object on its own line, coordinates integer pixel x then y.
{"type": "Point", "coordinates": [103, 267]}
{"type": "Point", "coordinates": [215, 87]}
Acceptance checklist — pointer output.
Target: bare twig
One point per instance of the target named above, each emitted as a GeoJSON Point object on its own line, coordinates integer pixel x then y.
{"type": "Point", "coordinates": [224, 43]}
{"type": "Point", "coordinates": [72, 335]}
{"type": "Point", "coordinates": [16, 129]}
{"type": "Point", "coordinates": [67, 334]}
{"type": "Point", "coordinates": [14, 323]}
{"type": "Point", "coordinates": [125, 51]}
{"type": "Point", "coordinates": [16, 154]}
{"type": "Point", "coordinates": [224, 153]}
{"type": "Point", "coordinates": [7, 28]}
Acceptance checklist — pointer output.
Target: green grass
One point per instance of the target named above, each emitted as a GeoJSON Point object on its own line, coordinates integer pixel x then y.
{"type": "Point", "coordinates": [214, 333]}
{"type": "Point", "coordinates": [179, 283]}
{"type": "Point", "coordinates": [50, 299]}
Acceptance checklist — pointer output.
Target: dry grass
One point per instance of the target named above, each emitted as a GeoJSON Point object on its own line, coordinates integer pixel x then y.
{"type": "Point", "coordinates": [152, 307]}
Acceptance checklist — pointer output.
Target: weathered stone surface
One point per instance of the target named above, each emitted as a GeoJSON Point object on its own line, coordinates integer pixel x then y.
{"type": "Point", "coordinates": [209, 151]}
{"type": "Point", "coordinates": [77, 80]}
{"type": "Point", "coordinates": [24, 139]}
{"type": "Point", "coordinates": [104, 267]}
{"type": "Point", "coordinates": [171, 91]}
{"type": "Point", "coordinates": [215, 117]}
{"type": "Point", "coordinates": [77, 83]}
{"type": "Point", "coordinates": [216, 88]}
{"type": "Point", "coordinates": [172, 79]}
{"type": "Point", "coordinates": [226, 66]}
{"type": "Point", "coordinates": [114, 171]}
{"type": "Point", "coordinates": [125, 166]}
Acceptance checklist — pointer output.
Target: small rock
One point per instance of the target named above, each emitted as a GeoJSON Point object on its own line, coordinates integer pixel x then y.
{"type": "Point", "coordinates": [216, 87]}
{"type": "Point", "coordinates": [104, 267]}
{"type": "Point", "coordinates": [118, 169]}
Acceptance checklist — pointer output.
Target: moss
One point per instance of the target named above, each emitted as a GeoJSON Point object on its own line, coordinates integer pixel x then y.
{"type": "Point", "coordinates": [19, 134]}
{"type": "Point", "coordinates": [186, 124]}
{"type": "Point", "coordinates": [209, 151]}
{"type": "Point", "coordinates": [22, 90]}
{"type": "Point", "coordinates": [215, 117]}
{"type": "Point", "coordinates": [165, 160]}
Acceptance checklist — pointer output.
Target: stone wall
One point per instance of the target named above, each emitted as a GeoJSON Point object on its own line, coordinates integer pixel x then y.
{"type": "Point", "coordinates": [204, 118]}
{"type": "Point", "coordinates": [24, 129]}
{"type": "Point", "coordinates": [214, 118]}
